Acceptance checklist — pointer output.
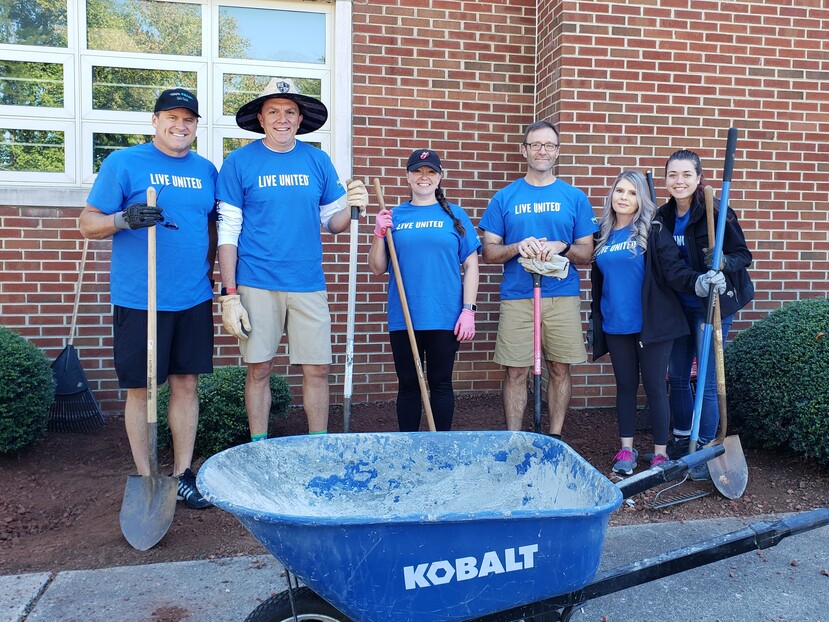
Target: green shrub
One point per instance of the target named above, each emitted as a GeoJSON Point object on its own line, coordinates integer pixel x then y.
{"type": "Point", "coordinates": [27, 389]}
{"type": "Point", "coordinates": [223, 421]}
{"type": "Point", "coordinates": [777, 374]}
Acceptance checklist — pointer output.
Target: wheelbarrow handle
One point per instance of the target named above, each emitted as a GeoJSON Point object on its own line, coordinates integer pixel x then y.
{"type": "Point", "coordinates": [667, 471]}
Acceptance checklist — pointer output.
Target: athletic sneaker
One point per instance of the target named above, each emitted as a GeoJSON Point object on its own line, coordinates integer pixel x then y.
{"type": "Point", "coordinates": [658, 459]}
{"type": "Point", "coordinates": [678, 447]}
{"type": "Point", "coordinates": [700, 472]}
{"type": "Point", "coordinates": [625, 461]}
{"type": "Point", "coordinates": [188, 492]}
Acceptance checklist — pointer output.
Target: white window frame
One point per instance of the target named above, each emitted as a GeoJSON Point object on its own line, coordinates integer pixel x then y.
{"type": "Point", "coordinates": [78, 121]}
{"type": "Point", "coordinates": [35, 55]}
{"type": "Point", "coordinates": [150, 63]}
{"type": "Point", "coordinates": [21, 177]}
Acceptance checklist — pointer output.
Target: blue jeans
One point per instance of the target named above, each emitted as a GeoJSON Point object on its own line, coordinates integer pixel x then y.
{"type": "Point", "coordinates": [681, 398]}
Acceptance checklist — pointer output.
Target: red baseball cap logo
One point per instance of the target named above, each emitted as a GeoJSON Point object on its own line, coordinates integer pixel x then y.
{"type": "Point", "coordinates": [424, 155]}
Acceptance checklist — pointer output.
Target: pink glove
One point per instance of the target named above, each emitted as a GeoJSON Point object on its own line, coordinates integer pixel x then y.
{"type": "Point", "coordinates": [465, 326]}
{"type": "Point", "coordinates": [382, 222]}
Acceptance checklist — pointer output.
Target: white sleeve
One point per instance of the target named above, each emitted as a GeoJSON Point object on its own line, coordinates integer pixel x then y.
{"type": "Point", "coordinates": [230, 223]}
{"type": "Point", "coordinates": [328, 211]}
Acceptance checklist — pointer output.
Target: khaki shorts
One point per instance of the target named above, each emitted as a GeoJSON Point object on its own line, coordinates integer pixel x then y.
{"type": "Point", "coordinates": [562, 338]}
{"type": "Point", "coordinates": [303, 315]}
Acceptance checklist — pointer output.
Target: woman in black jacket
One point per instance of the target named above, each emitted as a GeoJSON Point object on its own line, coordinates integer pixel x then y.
{"type": "Point", "coordinates": [635, 314]}
{"type": "Point", "coordinates": [684, 216]}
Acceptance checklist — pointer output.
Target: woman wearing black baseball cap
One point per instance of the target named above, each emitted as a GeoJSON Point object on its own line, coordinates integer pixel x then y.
{"type": "Point", "coordinates": [433, 239]}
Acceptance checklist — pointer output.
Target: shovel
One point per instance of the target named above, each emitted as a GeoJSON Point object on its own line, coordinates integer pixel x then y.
{"type": "Point", "coordinates": [536, 352]}
{"type": "Point", "coordinates": [729, 471]}
{"type": "Point", "coordinates": [557, 267]}
{"type": "Point", "coordinates": [149, 500]}
{"type": "Point", "coordinates": [708, 327]}
{"type": "Point", "coordinates": [421, 379]}
{"type": "Point", "coordinates": [348, 382]}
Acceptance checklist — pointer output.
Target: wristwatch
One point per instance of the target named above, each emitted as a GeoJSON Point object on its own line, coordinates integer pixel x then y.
{"type": "Point", "coordinates": [472, 307]}
{"type": "Point", "coordinates": [228, 291]}
{"type": "Point", "coordinates": [566, 248]}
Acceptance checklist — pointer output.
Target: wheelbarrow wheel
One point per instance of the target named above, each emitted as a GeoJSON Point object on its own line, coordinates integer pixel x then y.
{"type": "Point", "coordinates": [310, 607]}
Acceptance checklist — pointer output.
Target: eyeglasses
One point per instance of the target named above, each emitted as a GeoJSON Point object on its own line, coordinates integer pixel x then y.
{"type": "Point", "coordinates": [549, 147]}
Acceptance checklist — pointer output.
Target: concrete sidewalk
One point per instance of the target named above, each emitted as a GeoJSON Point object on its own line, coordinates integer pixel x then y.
{"type": "Point", "coordinates": [786, 583]}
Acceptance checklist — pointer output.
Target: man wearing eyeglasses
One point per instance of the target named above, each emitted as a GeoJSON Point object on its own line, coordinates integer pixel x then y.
{"type": "Point", "coordinates": [538, 217]}
{"type": "Point", "coordinates": [185, 184]}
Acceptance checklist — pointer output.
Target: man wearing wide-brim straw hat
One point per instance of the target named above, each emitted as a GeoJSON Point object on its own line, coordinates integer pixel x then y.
{"type": "Point", "coordinates": [273, 195]}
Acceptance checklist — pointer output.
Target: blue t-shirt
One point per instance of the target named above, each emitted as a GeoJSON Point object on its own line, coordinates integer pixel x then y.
{"type": "Point", "coordinates": [186, 190]}
{"type": "Point", "coordinates": [623, 267]}
{"type": "Point", "coordinates": [280, 194]}
{"type": "Point", "coordinates": [430, 251]}
{"type": "Point", "coordinates": [689, 301]}
{"type": "Point", "coordinates": [556, 212]}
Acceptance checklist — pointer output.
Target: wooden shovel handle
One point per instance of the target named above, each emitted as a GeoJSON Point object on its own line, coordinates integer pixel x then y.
{"type": "Point", "coordinates": [719, 358]}
{"type": "Point", "coordinates": [421, 379]}
{"type": "Point", "coordinates": [151, 316]}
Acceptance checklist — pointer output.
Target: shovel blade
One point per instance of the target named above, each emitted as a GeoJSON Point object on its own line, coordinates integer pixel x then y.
{"type": "Point", "coordinates": [729, 472]}
{"type": "Point", "coordinates": [147, 509]}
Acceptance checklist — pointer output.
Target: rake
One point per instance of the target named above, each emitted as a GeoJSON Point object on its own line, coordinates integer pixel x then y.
{"type": "Point", "coordinates": [75, 408]}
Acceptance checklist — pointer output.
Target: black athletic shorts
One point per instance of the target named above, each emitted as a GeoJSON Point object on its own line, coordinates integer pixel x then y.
{"type": "Point", "coordinates": [184, 343]}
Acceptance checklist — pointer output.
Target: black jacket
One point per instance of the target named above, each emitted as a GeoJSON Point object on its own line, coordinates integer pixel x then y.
{"type": "Point", "coordinates": [665, 271]}
{"type": "Point", "coordinates": [739, 288]}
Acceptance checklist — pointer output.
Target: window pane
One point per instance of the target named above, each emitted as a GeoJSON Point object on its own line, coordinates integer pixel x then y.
{"type": "Point", "coordinates": [127, 89]}
{"type": "Point", "coordinates": [144, 26]}
{"type": "Point", "coordinates": [238, 89]}
{"type": "Point", "coordinates": [270, 34]}
{"type": "Point", "coordinates": [39, 151]}
{"type": "Point", "coordinates": [229, 144]}
{"type": "Point", "coordinates": [31, 84]}
{"type": "Point", "coordinates": [33, 22]}
{"type": "Point", "coordinates": [104, 144]}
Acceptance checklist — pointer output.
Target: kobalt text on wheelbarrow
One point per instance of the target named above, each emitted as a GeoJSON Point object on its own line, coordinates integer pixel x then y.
{"type": "Point", "coordinates": [447, 526]}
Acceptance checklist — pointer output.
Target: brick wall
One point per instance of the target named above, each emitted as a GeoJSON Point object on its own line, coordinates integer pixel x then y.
{"type": "Point", "coordinates": [456, 77]}
{"type": "Point", "coordinates": [628, 82]}
{"type": "Point", "coordinates": [631, 82]}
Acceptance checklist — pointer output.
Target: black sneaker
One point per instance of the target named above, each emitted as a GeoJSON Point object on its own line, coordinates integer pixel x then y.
{"type": "Point", "coordinates": [678, 447]}
{"type": "Point", "coordinates": [700, 473]}
{"type": "Point", "coordinates": [188, 492]}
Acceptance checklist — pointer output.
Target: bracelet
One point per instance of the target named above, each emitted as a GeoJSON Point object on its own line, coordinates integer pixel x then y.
{"type": "Point", "coordinates": [228, 291]}
{"type": "Point", "coordinates": [566, 248]}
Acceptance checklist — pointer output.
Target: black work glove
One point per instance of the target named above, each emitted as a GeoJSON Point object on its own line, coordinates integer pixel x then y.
{"type": "Point", "coordinates": [137, 216]}
{"type": "Point", "coordinates": [726, 264]}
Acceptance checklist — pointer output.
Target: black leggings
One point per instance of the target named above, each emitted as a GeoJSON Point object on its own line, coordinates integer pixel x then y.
{"type": "Point", "coordinates": [437, 348]}
{"type": "Point", "coordinates": [628, 359]}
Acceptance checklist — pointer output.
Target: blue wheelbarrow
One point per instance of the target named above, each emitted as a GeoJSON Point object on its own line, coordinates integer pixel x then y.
{"type": "Point", "coordinates": [446, 526]}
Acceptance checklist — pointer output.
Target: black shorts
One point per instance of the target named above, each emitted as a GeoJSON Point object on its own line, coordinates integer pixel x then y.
{"type": "Point", "coordinates": [184, 343]}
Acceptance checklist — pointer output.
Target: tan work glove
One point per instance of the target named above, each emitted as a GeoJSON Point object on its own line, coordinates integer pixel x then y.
{"type": "Point", "coordinates": [557, 266]}
{"type": "Point", "coordinates": [357, 195]}
{"type": "Point", "coordinates": [235, 316]}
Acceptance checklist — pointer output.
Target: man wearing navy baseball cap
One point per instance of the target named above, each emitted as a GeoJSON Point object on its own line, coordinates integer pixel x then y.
{"type": "Point", "coordinates": [177, 98]}
{"type": "Point", "coordinates": [185, 184]}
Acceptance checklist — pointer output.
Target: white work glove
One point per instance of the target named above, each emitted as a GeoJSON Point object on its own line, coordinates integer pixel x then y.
{"type": "Point", "coordinates": [357, 195]}
{"type": "Point", "coordinates": [708, 280]}
{"type": "Point", "coordinates": [557, 267]}
{"type": "Point", "coordinates": [235, 316]}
